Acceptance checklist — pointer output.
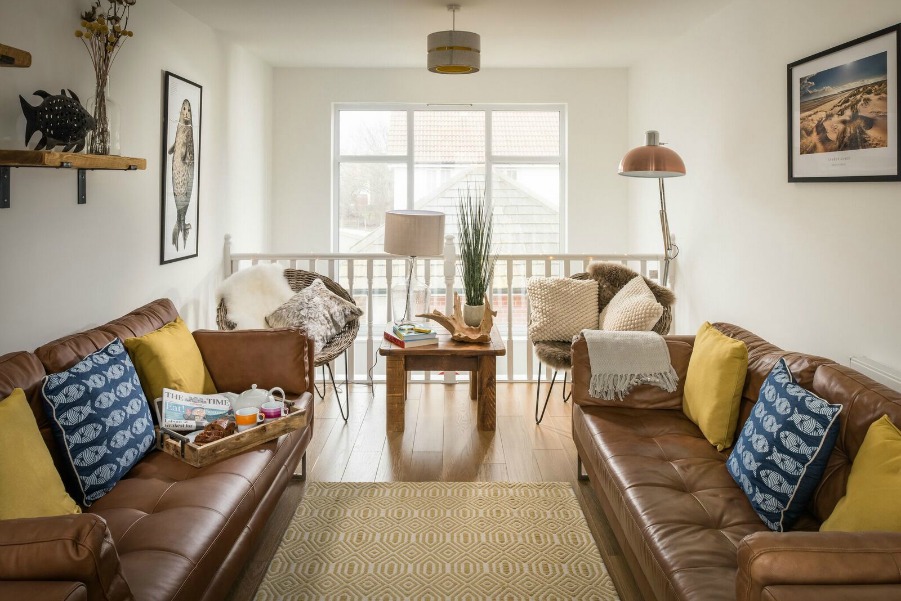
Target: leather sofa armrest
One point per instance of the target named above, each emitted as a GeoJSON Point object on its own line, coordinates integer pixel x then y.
{"type": "Point", "coordinates": [640, 397]}
{"type": "Point", "coordinates": [807, 562]}
{"type": "Point", "coordinates": [72, 548]}
{"type": "Point", "coordinates": [43, 590]}
{"type": "Point", "coordinates": [238, 358]}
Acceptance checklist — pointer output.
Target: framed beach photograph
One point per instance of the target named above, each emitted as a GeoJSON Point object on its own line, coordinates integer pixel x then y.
{"type": "Point", "coordinates": [843, 112]}
{"type": "Point", "coordinates": [180, 190]}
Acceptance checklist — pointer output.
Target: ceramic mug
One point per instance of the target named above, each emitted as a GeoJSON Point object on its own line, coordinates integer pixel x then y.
{"type": "Point", "coordinates": [248, 417]}
{"type": "Point", "coordinates": [273, 409]}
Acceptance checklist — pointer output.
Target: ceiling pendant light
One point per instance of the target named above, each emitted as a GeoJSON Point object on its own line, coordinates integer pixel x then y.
{"type": "Point", "coordinates": [454, 52]}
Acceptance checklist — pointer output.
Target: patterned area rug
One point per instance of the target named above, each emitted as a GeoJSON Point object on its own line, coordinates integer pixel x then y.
{"type": "Point", "coordinates": [438, 540]}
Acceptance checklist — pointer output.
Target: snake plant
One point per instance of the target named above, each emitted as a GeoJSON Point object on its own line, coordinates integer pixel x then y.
{"type": "Point", "coordinates": [474, 216]}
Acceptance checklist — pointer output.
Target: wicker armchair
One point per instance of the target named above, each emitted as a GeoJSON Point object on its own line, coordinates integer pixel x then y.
{"type": "Point", "coordinates": [338, 345]}
{"type": "Point", "coordinates": [611, 277]}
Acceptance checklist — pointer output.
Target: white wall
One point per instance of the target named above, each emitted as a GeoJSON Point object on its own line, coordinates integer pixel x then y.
{"type": "Point", "coordinates": [596, 102]}
{"type": "Point", "coordinates": [66, 267]}
{"type": "Point", "coordinates": [809, 266]}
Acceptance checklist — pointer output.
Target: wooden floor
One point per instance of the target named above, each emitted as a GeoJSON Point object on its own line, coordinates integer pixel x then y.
{"type": "Point", "coordinates": [441, 443]}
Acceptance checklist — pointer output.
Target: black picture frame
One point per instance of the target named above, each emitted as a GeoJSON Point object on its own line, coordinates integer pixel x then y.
{"type": "Point", "coordinates": [837, 148]}
{"type": "Point", "coordinates": [182, 112]}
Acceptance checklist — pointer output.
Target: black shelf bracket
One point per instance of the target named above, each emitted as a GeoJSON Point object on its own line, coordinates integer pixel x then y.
{"type": "Point", "coordinates": [82, 187]}
{"type": "Point", "coordinates": [81, 183]}
{"type": "Point", "coordinates": [4, 187]}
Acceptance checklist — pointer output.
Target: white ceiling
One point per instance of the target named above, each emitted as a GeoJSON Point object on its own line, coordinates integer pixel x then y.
{"type": "Point", "coordinates": [392, 33]}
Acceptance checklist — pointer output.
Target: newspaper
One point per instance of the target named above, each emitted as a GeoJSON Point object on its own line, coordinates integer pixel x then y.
{"type": "Point", "coordinates": [186, 412]}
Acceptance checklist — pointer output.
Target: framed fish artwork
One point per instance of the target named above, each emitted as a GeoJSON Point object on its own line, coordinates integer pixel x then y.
{"type": "Point", "coordinates": [180, 186]}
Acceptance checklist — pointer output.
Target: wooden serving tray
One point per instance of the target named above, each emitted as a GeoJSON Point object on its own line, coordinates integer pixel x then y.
{"type": "Point", "coordinates": [202, 455]}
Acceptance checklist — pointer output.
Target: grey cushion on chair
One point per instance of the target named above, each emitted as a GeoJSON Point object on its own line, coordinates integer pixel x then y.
{"type": "Point", "coordinates": [317, 312]}
{"type": "Point", "coordinates": [557, 355]}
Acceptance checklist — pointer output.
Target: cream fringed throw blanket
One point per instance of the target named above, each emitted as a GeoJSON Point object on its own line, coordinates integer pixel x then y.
{"type": "Point", "coordinates": [621, 360]}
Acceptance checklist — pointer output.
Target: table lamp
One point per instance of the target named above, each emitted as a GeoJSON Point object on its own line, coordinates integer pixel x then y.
{"type": "Point", "coordinates": [653, 160]}
{"type": "Point", "coordinates": [414, 234]}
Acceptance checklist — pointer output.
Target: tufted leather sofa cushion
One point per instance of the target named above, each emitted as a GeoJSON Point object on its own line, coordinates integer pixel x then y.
{"type": "Point", "coordinates": [43, 590]}
{"type": "Point", "coordinates": [668, 485]}
{"type": "Point", "coordinates": [174, 525]}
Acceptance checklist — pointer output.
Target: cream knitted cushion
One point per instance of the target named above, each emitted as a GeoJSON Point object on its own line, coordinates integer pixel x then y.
{"type": "Point", "coordinates": [561, 308]}
{"type": "Point", "coordinates": [633, 308]}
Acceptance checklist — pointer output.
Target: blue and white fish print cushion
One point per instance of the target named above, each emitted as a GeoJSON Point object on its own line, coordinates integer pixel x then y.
{"type": "Point", "coordinates": [100, 416]}
{"type": "Point", "coordinates": [783, 448]}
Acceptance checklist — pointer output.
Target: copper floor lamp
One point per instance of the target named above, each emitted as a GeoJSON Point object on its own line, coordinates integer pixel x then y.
{"type": "Point", "coordinates": [653, 160]}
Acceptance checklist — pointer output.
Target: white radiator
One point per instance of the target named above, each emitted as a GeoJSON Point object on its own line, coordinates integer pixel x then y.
{"type": "Point", "coordinates": [879, 372]}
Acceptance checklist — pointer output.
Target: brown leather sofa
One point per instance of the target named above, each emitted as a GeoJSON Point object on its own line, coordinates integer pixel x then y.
{"type": "Point", "coordinates": [687, 530]}
{"type": "Point", "coordinates": [167, 530]}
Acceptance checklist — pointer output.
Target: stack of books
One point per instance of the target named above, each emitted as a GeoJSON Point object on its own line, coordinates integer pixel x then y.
{"type": "Point", "coordinates": [406, 337]}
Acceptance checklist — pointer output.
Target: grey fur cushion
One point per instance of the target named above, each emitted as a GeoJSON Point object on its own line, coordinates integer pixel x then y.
{"type": "Point", "coordinates": [317, 311]}
{"type": "Point", "coordinates": [556, 354]}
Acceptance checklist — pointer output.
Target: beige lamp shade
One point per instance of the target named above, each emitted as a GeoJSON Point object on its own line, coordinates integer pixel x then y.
{"type": "Point", "coordinates": [652, 160]}
{"type": "Point", "coordinates": [414, 233]}
{"type": "Point", "coordinates": [454, 52]}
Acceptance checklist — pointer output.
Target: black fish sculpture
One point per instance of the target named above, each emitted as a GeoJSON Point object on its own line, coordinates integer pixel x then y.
{"type": "Point", "coordinates": [61, 119]}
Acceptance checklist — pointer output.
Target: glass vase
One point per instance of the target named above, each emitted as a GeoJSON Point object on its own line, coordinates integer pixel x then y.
{"type": "Point", "coordinates": [419, 297]}
{"type": "Point", "coordinates": [104, 138]}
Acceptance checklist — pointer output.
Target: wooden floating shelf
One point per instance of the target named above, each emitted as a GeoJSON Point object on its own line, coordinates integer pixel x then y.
{"type": "Point", "coordinates": [61, 160]}
{"type": "Point", "coordinates": [68, 160]}
{"type": "Point", "coordinates": [13, 57]}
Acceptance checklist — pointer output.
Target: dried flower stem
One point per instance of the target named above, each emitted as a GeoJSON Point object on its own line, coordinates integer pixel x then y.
{"type": "Point", "coordinates": [103, 34]}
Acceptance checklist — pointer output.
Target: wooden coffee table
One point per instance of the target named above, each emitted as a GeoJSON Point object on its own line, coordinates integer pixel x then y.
{"type": "Point", "coordinates": [448, 355]}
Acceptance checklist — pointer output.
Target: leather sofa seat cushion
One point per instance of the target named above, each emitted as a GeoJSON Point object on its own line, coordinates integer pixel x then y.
{"type": "Point", "coordinates": [162, 497]}
{"type": "Point", "coordinates": [661, 474]}
{"type": "Point", "coordinates": [45, 590]}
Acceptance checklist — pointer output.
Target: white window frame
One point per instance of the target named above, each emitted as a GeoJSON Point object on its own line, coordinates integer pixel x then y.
{"type": "Point", "coordinates": [408, 158]}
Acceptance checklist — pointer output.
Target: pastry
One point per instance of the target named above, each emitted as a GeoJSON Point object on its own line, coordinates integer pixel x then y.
{"type": "Point", "coordinates": [215, 430]}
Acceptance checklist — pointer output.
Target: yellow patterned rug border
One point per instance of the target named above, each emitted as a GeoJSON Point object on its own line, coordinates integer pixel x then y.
{"type": "Point", "coordinates": [437, 540]}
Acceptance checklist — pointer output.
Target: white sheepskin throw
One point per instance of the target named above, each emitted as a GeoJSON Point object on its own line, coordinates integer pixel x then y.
{"type": "Point", "coordinates": [253, 293]}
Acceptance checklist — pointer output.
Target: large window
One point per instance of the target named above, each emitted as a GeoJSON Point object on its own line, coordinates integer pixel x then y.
{"type": "Point", "coordinates": [425, 157]}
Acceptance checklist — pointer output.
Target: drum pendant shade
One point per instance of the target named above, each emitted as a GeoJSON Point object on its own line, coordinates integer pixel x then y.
{"type": "Point", "coordinates": [454, 52]}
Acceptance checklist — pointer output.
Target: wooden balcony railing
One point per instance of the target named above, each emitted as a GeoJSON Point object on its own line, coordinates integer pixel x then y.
{"type": "Point", "coordinates": [370, 277]}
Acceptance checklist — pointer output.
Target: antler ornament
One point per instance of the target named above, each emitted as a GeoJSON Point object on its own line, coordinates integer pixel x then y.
{"type": "Point", "coordinates": [457, 327]}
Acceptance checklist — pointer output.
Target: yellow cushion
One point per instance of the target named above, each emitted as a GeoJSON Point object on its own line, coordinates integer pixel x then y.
{"type": "Point", "coordinates": [169, 358]}
{"type": "Point", "coordinates": [874, 485]}
{"type": "Point", "coordinates": [713, 384]}
{"type": "Point", "coordinates": [31, 485]}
